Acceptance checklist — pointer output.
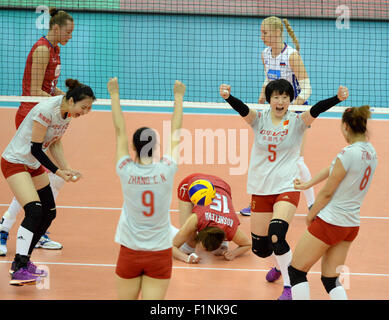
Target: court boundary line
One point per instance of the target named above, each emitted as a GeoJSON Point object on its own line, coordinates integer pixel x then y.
{"type": "Point", "coordinates": [193, 268]}
{"type": "Point", "coordinates": [172, 211]}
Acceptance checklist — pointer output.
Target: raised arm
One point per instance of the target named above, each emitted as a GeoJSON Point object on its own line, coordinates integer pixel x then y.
{"type": "Point", "coordinates": [118, 120]}
{"type": "Point", "coordinates": [310, 115]}
{"type": "Point", "coordinates": [176, 122]}
{"type": "Point", "coordinates": [245, 112]}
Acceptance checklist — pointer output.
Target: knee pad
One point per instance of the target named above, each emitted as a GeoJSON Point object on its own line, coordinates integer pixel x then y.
{"type": "Point", "coordinates": [330, 283]}
{"type": "Point", "coordinates": [33, 216]}
{"type": "Point", "coordinates": [261, 246]}
{"type": "Point", "coordinates": [48, 204]}
{"type": "Point", "coordinates": [278, 229]}
{"type": "Point", "coordinates": [296, 276]}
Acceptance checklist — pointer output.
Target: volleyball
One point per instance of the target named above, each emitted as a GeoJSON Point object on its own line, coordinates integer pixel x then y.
{"type": "Point", "coordinates": [201, 192]}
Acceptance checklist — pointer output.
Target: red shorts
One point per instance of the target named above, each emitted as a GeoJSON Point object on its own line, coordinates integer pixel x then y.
{"type": "Point", "coordinates": [331, 234]}
{"type": "Point", "coordinates": [154, 264]}
{"type": "Point", "coordinates": [266, 203]}
{"type": "Point", "coordinates": [9, 169]}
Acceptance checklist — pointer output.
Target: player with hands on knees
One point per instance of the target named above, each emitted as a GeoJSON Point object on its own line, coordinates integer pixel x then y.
{"type": "Point", "coordinates": [23, 165]}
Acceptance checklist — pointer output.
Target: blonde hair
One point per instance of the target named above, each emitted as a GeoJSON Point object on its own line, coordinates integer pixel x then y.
{"type": "Point", "coordinates": [278, 24]}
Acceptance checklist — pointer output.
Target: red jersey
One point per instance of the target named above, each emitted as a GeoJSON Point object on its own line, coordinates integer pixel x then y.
{"type": "Point", "coordinates": [220, 213]}
{"type": "Point", "coordinates": [50, 79]}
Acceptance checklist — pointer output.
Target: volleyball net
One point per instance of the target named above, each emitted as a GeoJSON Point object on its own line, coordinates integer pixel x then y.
{"type": "Point", "coordinates": [150, 44]}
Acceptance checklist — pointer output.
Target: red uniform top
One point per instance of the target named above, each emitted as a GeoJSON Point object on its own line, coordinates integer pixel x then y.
{"type": "Point", "coordinates": [50, 79]}
{"type": "Point", "coordinates": [220, 213]}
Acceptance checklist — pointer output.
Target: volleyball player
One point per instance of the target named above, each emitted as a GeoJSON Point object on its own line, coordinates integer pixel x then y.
{"type": "Point", "coordinates": [273, 168]}
{"type": "Point", "coordinates": [210, 225]}
{"type": "Point", "coordinates": [22, 165]}
{"type": "Point", "coordinates": [281, 61]}
{"type": "Point", "coordinates": [40, 78]}
{"type": "Point", "coordinates": [334, 219]}
{"type": "Point", "coordinates": [145, 259]}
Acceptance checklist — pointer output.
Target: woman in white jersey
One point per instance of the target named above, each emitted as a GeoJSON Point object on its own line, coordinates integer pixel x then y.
{"type": "Point", "coordinates": [41, 73]}
{"type": "Point", "coordinates": [273, 167]}
{"type": "Point", "coordinates": [23, 163]}
{"type": "Point", "coordinates": [333, 221]}
{"type": "Point", "coordinates": [145, 258]}
{"type": "Point", "coordinates": [281, 61]}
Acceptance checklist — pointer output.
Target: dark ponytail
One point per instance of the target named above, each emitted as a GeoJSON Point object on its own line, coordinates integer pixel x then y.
{"type": "Point", "coordinates": [144, 141]}
{"type": "Point", "coordinates": [211, 238]}
{"type": "Point", "coordinates": [78, 91]}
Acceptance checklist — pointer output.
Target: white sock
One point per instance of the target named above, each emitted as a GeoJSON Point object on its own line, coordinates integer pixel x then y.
{"type": "Point", "coordinates": [306, 176]}
{"type": "Point", "coordinates": [23, 241]}
{"type": "Point", "coordinates": [10, 215]}
{"type": "Point", "coordinates": [284, 262]}
{"type": "Point", "coordinates": [338, 293]}
{"type": "Point", "coordinates": [301, 291]}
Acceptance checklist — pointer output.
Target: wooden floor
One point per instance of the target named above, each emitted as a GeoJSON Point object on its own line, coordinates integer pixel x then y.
{"type": "Point", "coordinates": [88, 212]}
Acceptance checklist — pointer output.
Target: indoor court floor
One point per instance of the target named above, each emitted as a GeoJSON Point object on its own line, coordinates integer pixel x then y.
{"type": "Point", "coordinates": [88, 212]}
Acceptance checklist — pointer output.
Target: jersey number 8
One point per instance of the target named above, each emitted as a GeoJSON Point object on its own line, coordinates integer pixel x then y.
{"type": "Point", "coordinates": [365, 178]}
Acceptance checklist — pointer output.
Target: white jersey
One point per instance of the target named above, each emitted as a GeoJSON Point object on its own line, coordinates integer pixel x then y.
{"type": "Point", "coordinates": [274, 154]}
{"type": "Point", "coordinates": [359, 160]}
{"type": "Point", "coordinates": [47, 113]}
{"type": "Point", "coordinates": [279, 67]}
{"type": "Point", "coordinates": [144, 223]}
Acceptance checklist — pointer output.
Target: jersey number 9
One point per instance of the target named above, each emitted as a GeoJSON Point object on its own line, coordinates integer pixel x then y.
{"type": "Point", "coordinates": [148, 202]}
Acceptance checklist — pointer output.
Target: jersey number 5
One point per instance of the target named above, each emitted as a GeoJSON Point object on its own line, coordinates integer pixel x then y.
{"type": "Point", "coordinates": [271, 149]}
{"type": "Point", "coordinates": [365, 178]}
{"type": "Point", "coordinates": [148, 202]}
